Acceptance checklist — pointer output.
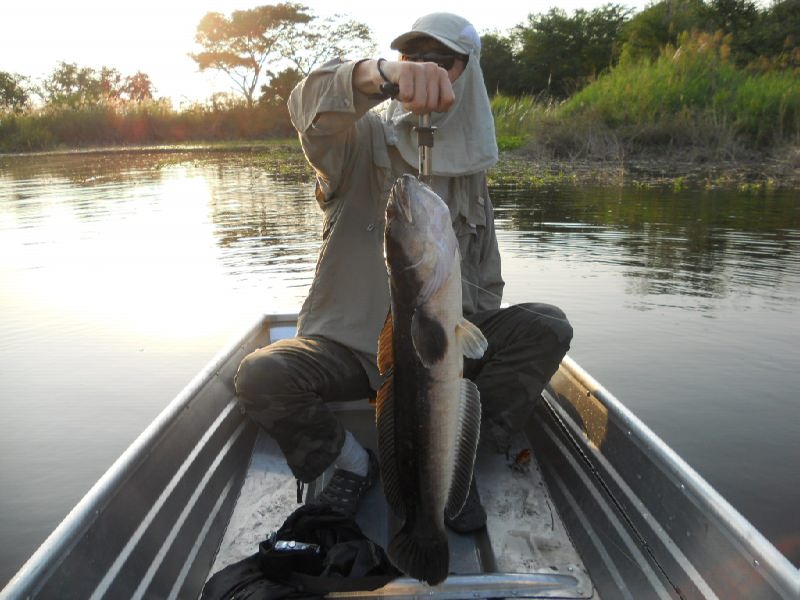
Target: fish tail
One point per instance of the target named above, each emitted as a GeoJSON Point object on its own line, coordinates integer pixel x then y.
{"type": "Point", "coordinates": [424, 557]}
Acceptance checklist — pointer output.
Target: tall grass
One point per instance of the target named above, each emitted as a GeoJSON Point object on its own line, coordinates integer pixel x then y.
{"type": "Point", "coordinates": [515, 116]}
{"type": "Point", "coordinates": [693, 91]}
{"type": "Point", "coordinates": [138, 123]}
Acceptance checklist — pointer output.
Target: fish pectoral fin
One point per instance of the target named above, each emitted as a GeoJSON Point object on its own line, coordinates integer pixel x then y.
{"type": "Point", "coordinates": [442, 269]}
{"type": "Point", "coordinates": [471, 338]}
{"type": "Point", "coordinates": [384, 420]}
{"type": "Point", "coordinates": [469, 429]}
{"type": "Point", "coordinates": [429, 338]}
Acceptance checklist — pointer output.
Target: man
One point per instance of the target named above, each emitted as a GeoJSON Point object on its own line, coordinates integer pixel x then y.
{"type": "Point", "coordinates": [357, 154]}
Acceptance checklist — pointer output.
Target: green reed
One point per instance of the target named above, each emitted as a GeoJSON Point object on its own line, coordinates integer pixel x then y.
{"type": "Point", "coordinates": [693, 91]}
{"type": "Point", "coordinates": [111, 124]}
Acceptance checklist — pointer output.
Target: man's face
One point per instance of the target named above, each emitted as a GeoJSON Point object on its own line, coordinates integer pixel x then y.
{"type": "Point", "coordinates": [425, 49]}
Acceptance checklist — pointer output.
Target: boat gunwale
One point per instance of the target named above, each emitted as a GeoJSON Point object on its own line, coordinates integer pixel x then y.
{"type": "Point", "coordinates": [763, 554]}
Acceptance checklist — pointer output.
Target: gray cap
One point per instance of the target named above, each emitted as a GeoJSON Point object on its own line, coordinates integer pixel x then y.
{"type": "Point", "coordinates": [451, 30]}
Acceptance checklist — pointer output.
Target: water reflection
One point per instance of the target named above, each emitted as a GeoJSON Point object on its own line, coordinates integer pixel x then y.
{"type": "Point", "coordinates": [706, 245]}
{"type": "Point", "coordinates": [122, 274]}
{"type": "Point", "coordinates": [265, 227]}
{"type": "Point", "coordinates": [703, 244]}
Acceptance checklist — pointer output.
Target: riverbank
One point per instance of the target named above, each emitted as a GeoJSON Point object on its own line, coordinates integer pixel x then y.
{"type": "Point", "coordinates": [676, 170]}
{"type": "Point", "coordinates": [528, 166]}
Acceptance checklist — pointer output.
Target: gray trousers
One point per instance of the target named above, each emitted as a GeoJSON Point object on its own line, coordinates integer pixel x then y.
{"type": "Point", "coordinates": [284, 387]}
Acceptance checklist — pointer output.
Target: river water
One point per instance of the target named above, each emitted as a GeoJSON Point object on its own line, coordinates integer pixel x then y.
{"type": "Point", "coordinates": [121, 275]}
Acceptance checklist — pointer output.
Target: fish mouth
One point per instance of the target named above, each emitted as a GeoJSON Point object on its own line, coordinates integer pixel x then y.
{"type": "Point", "coordinates": [404, 206]}
{"type": "Point", "coordinates": [402, 198]}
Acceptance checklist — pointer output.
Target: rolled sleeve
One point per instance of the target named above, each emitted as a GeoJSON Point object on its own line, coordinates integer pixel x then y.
{"type": "Point", "coordinates": [325, 103]}
{"type": "Point", "coordinates": [325, 110]}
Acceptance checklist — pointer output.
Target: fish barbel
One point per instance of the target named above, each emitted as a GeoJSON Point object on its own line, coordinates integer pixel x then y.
{"type": "Point", "coordinates": [428, 415]}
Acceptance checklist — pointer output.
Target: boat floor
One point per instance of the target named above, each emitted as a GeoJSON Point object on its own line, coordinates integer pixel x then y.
{"type": "Point", "coordinates": [523, 552]}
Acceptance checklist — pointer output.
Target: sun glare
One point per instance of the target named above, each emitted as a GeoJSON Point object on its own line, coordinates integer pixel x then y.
{"type": "Point", "coordinates": [134, 270]}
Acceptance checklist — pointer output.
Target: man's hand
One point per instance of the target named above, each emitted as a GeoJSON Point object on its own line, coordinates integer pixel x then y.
{"type": "Point", "coordinates": [424, 87]}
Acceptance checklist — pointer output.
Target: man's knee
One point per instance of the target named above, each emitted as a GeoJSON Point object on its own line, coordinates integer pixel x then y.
{"type": "Point", "coordinates": [548, 317]}
{"type": "Point", "coordinates": [264, 371]}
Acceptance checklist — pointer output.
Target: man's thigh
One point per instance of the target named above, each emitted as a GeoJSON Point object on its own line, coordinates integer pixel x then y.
{"type": "Point", "coordinates": [303, 365]}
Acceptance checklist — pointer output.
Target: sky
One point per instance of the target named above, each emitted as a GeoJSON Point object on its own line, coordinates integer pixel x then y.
{"type": "Point", "coordinates": [155, 37]}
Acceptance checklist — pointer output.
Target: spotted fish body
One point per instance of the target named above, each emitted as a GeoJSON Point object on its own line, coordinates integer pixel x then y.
{"type": "Point", "coordinates": [428, 415]}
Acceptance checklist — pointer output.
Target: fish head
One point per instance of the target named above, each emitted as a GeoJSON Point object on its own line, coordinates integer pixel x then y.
{"type": "Point", "coordinates": [419, 240]}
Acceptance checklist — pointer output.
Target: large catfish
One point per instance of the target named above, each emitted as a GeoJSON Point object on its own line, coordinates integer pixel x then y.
{"type": "Point", "coordinates": [428, 415]}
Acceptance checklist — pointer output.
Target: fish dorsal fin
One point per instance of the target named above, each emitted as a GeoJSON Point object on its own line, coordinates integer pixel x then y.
{"type": "Point", "coordinates": [385, 350]}
{"type": "Point", "coordinates": [384, 420]}
{"type": "Point", "coordinates": [469, 428]}
{"type": "Point", "coordinates": [469, 336]}
{"type": "Point", "coordinates": [429, 338]}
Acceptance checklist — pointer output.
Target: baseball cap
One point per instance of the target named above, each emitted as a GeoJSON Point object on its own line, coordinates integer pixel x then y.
{"type": "Point", "coordinates": [453, 31]}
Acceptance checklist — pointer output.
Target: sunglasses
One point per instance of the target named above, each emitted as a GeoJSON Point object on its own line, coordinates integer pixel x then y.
{"type": "Point", "coordinates": [444, 60]}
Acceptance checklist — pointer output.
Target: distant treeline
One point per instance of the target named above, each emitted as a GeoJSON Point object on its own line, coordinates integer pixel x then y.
{"type": "Point", "coordinates": [556, 54]}
{"type": "Point", "coordinates": [723, 74]}
{"type": "Point", "coordinates": [692, 97]}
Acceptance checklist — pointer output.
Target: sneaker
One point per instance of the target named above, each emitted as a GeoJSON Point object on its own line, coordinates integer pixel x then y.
{"type": "Point", "coordinates": [345, 489]}
{"type": "Point", "coordinates": [472, 517]}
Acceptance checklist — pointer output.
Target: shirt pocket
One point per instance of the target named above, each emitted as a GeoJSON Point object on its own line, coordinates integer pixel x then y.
{"type": "Point", "coordinates": [469, 226]}
{"type": "Point", "coordinates": [330, 215]}
{"type": "Point", "coordinates": [468, 236]}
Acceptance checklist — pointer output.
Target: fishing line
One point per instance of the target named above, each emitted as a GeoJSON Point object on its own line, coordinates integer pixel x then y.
{"type": "Point", "coordinates": [519, 306]}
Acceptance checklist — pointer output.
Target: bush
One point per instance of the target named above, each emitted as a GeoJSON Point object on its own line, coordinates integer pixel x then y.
{"type": "Point", "coordinates": [695, 86]}
{"type": "Point", "coordinates": [139, 123]}
{"type": "Point", "coordinates": [516, 117]}
{"type": "Point", "coordinates": [24, 133]}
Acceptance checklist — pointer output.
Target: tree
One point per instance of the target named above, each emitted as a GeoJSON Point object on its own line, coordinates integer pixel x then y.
{"type": "Point", "coordinates": [738, 18]}
{"type": "Point", "coordinates": [138, 87]}
{"type": "Point", "coordinates": [769, 36]}
{"type": "Point", "coordinates": [314, 43]}
{"type": "Point", "coordinates": [279, 88]}
{"type": "Point", "coordinates": [659, 25]}
{"type": "Point", "coordinates": [241, 44]}
{"type": "Point", "coordinates": [499, 65]}
{"type": "Point", "coordinates": [109, 83]}
{"type": "Point", "coordinates": [559, 54]}
{"type": "Point", "coordinates": [14, 94]}
{"type": "Point", "coordinates": [72, 86]}
{"type": "Point", "coordinates": [779, 33]}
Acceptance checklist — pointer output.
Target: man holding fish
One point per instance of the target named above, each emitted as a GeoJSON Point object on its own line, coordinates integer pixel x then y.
{"type": "Point", "coordinates": [438, 242]}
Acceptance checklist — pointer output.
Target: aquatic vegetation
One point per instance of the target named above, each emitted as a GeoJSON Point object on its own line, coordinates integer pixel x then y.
{"type": "Point", "coordinates": [510, 142]}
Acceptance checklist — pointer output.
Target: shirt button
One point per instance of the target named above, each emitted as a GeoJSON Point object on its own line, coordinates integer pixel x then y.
{"type": "Point", "coordinates": [346, 101]}
{"type": "Point", "coordinates": [371, 226]}
{"type": "Point", "coordinates": [481, 201]}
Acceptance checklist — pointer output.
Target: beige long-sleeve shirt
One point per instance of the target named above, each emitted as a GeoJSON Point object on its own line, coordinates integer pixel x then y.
{"type": "Point", "coordinates": [344, 140]}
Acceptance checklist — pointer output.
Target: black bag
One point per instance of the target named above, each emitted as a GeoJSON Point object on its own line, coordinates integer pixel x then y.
{"type": "Point", "coordinates": [315, 551]}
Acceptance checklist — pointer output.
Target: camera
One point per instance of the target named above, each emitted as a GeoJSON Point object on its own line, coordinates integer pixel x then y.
{"type": "Point", "coordinates": [280, 558]}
